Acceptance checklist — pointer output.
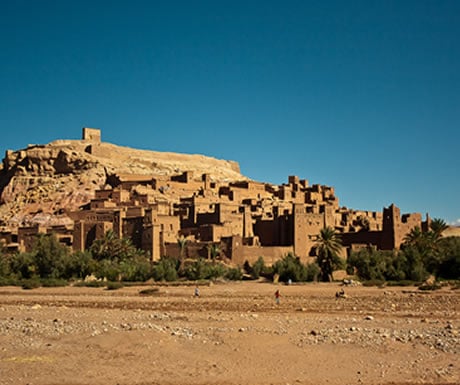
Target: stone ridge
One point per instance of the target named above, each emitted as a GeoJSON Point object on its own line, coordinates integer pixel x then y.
{"type": "Point", "coordinates": [40, 183]}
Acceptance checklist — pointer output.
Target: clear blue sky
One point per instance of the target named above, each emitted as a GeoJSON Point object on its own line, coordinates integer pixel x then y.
{"type": "Point", "coordinates": [360, 95]}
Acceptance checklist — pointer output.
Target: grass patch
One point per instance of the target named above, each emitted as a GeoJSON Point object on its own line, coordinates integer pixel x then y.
{"type": "Point", "coordinates": [150, 291]}
{"type": "Point", "coordinates": [30, 284]}
{"type": "Point", "coordinates": [374, 282]}
{"type": "Point", "coordinates": [90, 284]}
{"type": "Point", "coordinates": [114, 285]}
{"type": "Point", "coordinates": [54, 282]}
{"type": "Point", "coordinates": [430, 287]}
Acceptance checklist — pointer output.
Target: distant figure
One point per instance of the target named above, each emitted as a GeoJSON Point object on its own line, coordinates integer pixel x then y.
{"type": "Point", "coordinates": [197, 292]}
{"type": "Point", "coordinates": [340, 294]}
{"type": "Point", "coordinates": [277, 297]}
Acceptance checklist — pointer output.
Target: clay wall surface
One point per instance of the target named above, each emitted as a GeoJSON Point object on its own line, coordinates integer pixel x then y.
{"type": "Point", "coordinates": [120, 196]}
{"type": "Point", "coordinates": [267, 231]}
{"type": "Point", "coordinates": [192, 250]}
{"type": "Point", "coordinates": [408, 222]}
{"type": "Point", "coordinates": [91, 134]}
{"type": "Point", "coordinates": [27, 237]}
{"type": "Point", "coordinates": [368, 238]}
{"type": "Point", "coordinates": [306, 228]}
{"type": "Point", "coordinates": [151, 242]}
{"type": "Point", "coordinates": [242, 253]}
{"type": "Point", "coordinates": [395, 227]}
{"type": "Point", "coordinates": [103, 194]}
{"type": "Point", "coordinates": [101, 204]}
{"type": "Point", "coordinates": [169, 226]}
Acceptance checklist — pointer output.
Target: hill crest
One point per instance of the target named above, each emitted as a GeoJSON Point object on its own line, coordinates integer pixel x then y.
{"type": "Point", "coordinates": [40, 183]}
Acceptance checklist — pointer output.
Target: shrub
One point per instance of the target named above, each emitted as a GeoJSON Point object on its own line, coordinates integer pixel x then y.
{"type": "Point", "coordinates": [197, 270]}
{"type": "Point", "coordinates": [79, 265]}
{"type": "Point", "coordinates": [109, 270]}
{"type": "Point", "coordinates": [150, 291]}
{"type": "Point", "coordinates": [114, 285]}
{"type": "Point", "coordinates": [290, 268]}
{"type": "Point", "coordinates": [374, 282]}
{"type": "Point", "coordinates": [10, 281]}
{"type": "Point", "coordinates": [313, 272]}
{"type": "Point", "coordinates": [49, 256]}
{"type": "Point", "coordinates": [90, 284]}
{"type": "Point", "coordinates": [165, 270]}
{"type": "Point", "coordinates": [429, 287]}
{"type": "Point", "coordinates": [54, 282]}
{"type": "Point", "coordinates": [139, 268]}
{"type": "Point", "coordinates": [257, 269]}
{"type": "Point", "coordinates": [404, 282]}
{"type": "Point", "coordinates": [234, 274]}
{"type": "Point", "coordinates": [22, 264]}
{"type": "Point", "coordinates": [29, 284]}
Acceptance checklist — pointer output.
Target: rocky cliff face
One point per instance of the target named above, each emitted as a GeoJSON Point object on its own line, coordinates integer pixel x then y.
{"type": "Point", "coordinates": [41, 183]}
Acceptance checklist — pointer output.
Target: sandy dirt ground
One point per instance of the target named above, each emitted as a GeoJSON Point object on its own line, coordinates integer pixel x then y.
{"type": "Point", "coordinates": [234, 333]}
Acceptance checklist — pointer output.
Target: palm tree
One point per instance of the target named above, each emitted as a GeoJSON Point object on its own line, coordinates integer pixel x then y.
{"type": "Point", "coordinates": [427, 244]}
{"type": "Point", "coordinates": [182, 243]}
{"type": "Point", "coordinates": [437, 226]}
{"type": "Point", "coordinates": [328, 247]}
{"type": "Point", "coordinates": [415, 238]}
{"type": "Point", "coordinates": [113, 248]}
{"type": "Point", "coordinates": [213, 251]}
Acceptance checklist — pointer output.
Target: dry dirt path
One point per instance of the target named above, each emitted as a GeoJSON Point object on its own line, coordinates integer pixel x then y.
{"type": "Point", "coordinates": [232, 334]}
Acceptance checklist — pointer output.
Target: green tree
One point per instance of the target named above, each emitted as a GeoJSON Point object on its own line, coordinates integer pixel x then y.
{"type": "Point", "coordinates": [49, 256]}
{"type": "Point", "coordinates": [328, 248]}
{"type": "Point", "coordinates": [424, 247]}
{"type": "Point", "coordinates": [165, 269]}
{"type": "Point", "coordinates": [213, 251]}
{"type": "Point", "coordinates": [113, 248]}
{"type": "Point", "coordinates": [437, 226]}
{"type": "Point", "coordinates": [290, 268]}
{"type": "Point", "coordinates": [79, 265]}
{"type": "Point", "coordinates": [449, 266]}
{"type": "Point", "coordinates": [257, 268]}
{"type": "Point", "coordinates": [23, 265]}
{"type": "Point", "coordinates": [182, 243]}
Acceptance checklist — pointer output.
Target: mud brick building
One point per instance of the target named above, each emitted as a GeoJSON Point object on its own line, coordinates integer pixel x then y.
{"type": "Point", "coordinates": [247, 219]}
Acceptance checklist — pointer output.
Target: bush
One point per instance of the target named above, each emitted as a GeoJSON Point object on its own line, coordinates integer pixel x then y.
{"type": "Point", "coordinates": [22, 264]}
{"type": "Point", "coordinates": [257, 269]}
{"type": "Point", "coordinates": [79, 265]}
{"type": "Point", "coordinates": [49, 256]}
{"type": "Point", "coordinates": [165, 270]}
{"type": "Point", "coordinates": [374, 282]}
{"type": "Point", "coordinates": [90, 284]}
{"type": "Point", "coordinates": [54, 282]}
{"type": "Point", "coordinates": [404, 282]}
{"type": "Point", "coordinates": [429, 287]}
{"type": "Point", "coordinates": [109, 270]}
{"type": "Point", "coordinates": [313, 272]}
{"type": "Point", "coordinates": [234, 274]}
{"type": "Point", "coordinates": [9, 281]}
{"type": "Point", "coordinates": [29, 284]}
{"type": "Point", "coordinates": [290, 268]}
{"type": "Point", "coordinates": [114, 285]}
{"type": "Point", "coordinates": [150, 291]}
{"type": "Point", "coordinates": [138, 269]}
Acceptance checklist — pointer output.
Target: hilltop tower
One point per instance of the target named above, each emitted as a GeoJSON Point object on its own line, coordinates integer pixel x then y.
{"type": "Point", "coordinates": [91, 134]}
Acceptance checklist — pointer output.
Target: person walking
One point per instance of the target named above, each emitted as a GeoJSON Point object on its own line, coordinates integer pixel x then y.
{"type": "Point", "coordinates": [277, 297]}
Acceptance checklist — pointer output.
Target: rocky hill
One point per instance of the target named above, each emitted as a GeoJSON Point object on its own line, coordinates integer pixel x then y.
{"type": "Point", "coordinates": [40, 183]}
